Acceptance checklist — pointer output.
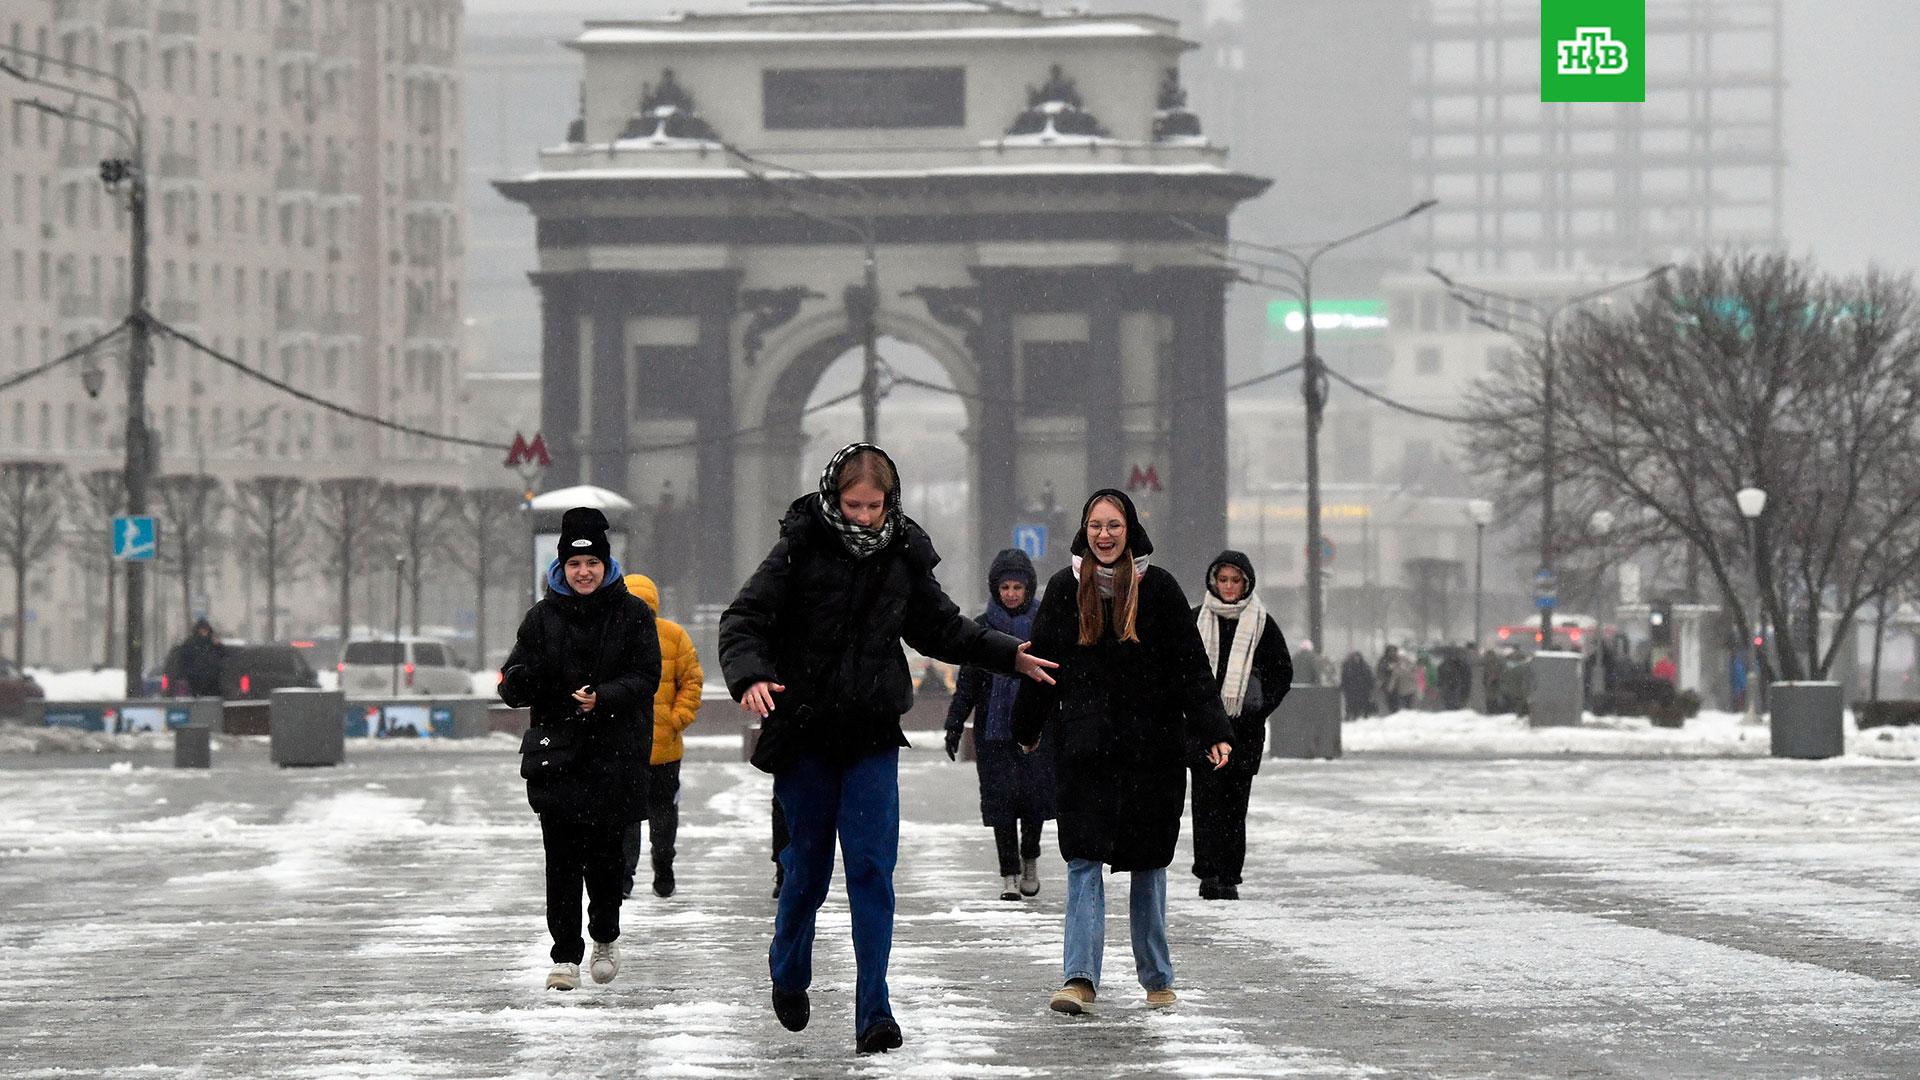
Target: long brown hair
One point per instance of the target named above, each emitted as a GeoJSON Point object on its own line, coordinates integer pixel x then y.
{"type": "Point", "coordinates": [1126, 592]}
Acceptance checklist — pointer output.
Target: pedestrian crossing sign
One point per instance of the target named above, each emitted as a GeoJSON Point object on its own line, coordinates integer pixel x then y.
{"type": "Point", "coordinates": [135, 538]}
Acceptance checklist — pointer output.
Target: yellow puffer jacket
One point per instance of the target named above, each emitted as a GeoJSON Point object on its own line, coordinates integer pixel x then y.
{"type": "Point", "coordinates": [677, 702]}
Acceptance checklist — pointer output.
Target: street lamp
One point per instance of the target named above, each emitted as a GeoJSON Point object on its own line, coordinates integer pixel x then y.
{"type": "Point", "coordinates": [139, 454]}
{"type": "Point", "coordinates": [866, 309]}
{"type": "Point", "coordinates": [399, 648]}
{"type": "Point", "coordinates": [1753, 502]}
{"type": "Point", "coordinates": [1480, 512]}
{"type": "Point", "coordinates": [1298, 270]}
{"type": "Point", "coordinates": [1542, 321]}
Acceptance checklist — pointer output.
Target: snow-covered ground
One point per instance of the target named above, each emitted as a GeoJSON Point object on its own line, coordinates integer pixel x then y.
{"type": "Point", "coordinates": [1710, 734]}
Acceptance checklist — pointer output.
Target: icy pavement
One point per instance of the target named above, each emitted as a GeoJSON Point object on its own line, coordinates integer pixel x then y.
{"type": "Point", "coordinates": [1405, 916]}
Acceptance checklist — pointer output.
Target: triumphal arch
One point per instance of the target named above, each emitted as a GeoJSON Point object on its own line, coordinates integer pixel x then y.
{"type": "Point", "coordinates": [1026, 179]}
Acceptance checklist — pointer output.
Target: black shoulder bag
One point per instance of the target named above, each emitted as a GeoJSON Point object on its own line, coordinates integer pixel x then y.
{"type": "Point", "coordinates": [552, 751]}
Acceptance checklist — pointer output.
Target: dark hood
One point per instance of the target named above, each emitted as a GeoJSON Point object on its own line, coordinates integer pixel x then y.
{"type": "Point", "coordinates": [1012, 563]}
{"type": "Point", "coordinates": [1137, 542]}
{"type": "Point", "coordinates": [1239, 561]}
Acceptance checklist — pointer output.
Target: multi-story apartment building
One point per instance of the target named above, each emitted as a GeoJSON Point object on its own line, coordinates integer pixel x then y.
{"type": "Point", "coordinates": [302, 159]}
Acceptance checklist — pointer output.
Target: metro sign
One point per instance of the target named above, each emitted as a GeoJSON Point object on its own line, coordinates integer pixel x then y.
{"type": "Point", "coordinates": [533, 453]}
{"type": "Point", "coordinates": [1147, 479]}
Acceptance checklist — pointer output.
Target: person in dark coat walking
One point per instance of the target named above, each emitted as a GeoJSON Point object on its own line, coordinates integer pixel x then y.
{"type": "Point", "coordinates": [814, 636]}
{"type": "Point", "coordinates": [1016, 789]}
{"type": "Point", "coordinates": [195, 667]}
{"type": "Point", "coordinates": [585, 663]}
{"type": "Point", "coordinates": [1455, 676]}
{"type": "Point", "coordinates": [1248, 655]}
{"type": "Point", "coordinates": [1356, 685]}
{"type": "Point", "coordinates": [1134, 705]}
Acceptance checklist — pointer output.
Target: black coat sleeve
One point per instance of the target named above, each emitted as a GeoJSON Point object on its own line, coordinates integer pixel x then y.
{"type": "Point", "coordinates": [1055, 627]}
{"type": "Point", "coordinates": [968, 694]}
{"type": "Point", "coordinates": [1274, 664]}
{"type": "Point", "coordinates": [521, 680]}
{"type": "Point", "coordinates": [935, 627]}
{"type": "Point", "coordinates": [1186, 665]}
{"type": "Point", "coordinates": [748, 626]}
{"type": "Point", "coordinates": [633, 689]}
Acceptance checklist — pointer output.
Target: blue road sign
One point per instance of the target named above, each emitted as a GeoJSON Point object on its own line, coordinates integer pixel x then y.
{"type": "Point", "coordinates": [1544, 600]}
{"type": "Point", "coordinates": [135, 538]}
{"type": "Point", "coordinates": [1031, 539]}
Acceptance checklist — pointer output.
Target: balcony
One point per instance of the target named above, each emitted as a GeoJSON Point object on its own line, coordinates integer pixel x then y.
{"type": "Point", "coordinates": [430, 189]}
{"type": "Point", "coordinates": [177, 21]}
{"type": "Point", "coordinates": [339, 324]}
{"type": "Point", "coordinates": [128, 16]}
{"type": "Point", "coordinates": [293, 320]}
{"type": "Point", "coordinates": [75, 14]}
{"type": "Point", "coordinates": [296, 177]}
{"type": "Point", "coordinates": [80, 162]}
{"type": "Point", "coordinates": [293, 38]}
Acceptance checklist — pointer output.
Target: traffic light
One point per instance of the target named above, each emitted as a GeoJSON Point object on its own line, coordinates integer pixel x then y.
{"type": "Point", "coordinates": [1660, 622]}
{"type": "Point", "coordinates": [114, 170]}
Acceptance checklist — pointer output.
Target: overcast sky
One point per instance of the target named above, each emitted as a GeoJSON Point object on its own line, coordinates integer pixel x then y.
{"type": "Point", "coordinates": [1852, 114]}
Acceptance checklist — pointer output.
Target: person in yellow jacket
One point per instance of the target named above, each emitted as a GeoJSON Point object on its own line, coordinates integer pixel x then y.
{"type": "Point", "coordinates": [675, 705]}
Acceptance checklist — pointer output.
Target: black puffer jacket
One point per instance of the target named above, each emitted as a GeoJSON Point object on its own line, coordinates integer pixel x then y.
{"type": "Point", "coordinates": [828, 627]}
{"type": "Point", "coordinates": [606, 641]}
{"type": "Point", "coordinates": [1125, 720]}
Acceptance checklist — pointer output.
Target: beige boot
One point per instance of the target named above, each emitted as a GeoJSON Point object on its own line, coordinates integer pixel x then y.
{"type": "Point", "coordinates": [1029, 877]}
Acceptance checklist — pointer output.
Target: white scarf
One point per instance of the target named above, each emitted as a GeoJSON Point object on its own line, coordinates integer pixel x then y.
{"type": "Point", "coordinates": [1104, 573]}
{"type": "Point", "coordinates": [1252, 617]}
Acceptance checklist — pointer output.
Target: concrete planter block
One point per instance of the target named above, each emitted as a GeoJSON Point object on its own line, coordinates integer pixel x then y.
{"type": "Point", "coordinates": [1307, 723]}
{"type": "Point", "coordinates": [1555, 694]}
{"type": "Point", "coordinates": [1806, 720]}
{"type": "Point", "coordinates": [306, 729]}
{"type": "Point", "coordinates": [193, 748]}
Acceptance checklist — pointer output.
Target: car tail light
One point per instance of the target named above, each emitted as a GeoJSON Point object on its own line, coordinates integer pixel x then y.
{"type": "Point", "coordinates": [246, 685]}
{"type": "Point", "coordinates": [1506, 632]}
{"type": "Point", "coordinates": [165, 681]}
{"type": "Point", "coordinates": [340, 668]}
{"type": "Point", "coordinates": [1575, 635]}
{"type": "Point", "coordinates": [409, 674]}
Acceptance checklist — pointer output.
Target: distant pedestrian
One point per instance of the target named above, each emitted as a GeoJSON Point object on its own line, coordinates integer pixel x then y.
{"type": "Point", "coordinates": [1248, 655]}
{"type": "Point", "coordinates": [195, 667]}
{"type": "Point", "coordinates": [1455, 678]}
{"type": "Point", "coordinates": [676, 704]}
{"type": "Point", "coordinates": [586, 664]}
{"type": "Point", "coordinates": [1016, 789]}
{"type": "Point", "coordinates": [813, 638]}
{"type": "Point", "coordinates": [1356, 685]}
{"type": "Point", "coordinates": [1135, 701]}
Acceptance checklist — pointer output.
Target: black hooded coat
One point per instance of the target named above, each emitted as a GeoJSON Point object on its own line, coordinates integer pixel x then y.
{"type": "Point", "coordinates": [1124, 719]}
{"type": "Point", "coordinates": [828, 626]}
{"type": "Point", "coordinates": [607, 641]}
{"type": "Point", "coordinates": [1014, 785]}
{"type": "Point", "coordinates": [1272, 673]}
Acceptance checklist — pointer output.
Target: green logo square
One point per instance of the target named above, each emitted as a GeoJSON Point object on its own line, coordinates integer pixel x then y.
{"type": "Point", "coordinates": [1593, 50]}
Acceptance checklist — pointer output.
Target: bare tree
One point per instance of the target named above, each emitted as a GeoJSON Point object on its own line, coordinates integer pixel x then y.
{"type": "Point", "coordinates": [189, 506]}
{"type": "Point", "coordinates": [350, 514]}
{"type": "Point", "coordinates": [267, 508]}
{"type": "Point", "coordinates": [1744, 369]}
{"type": "Point", "coordinates": [104, 493]}
{"type": "Point", "coordinates": [423, 519]}
{"type": "Point", "coordinates": [490, 533]}
{"type": "Point", "coordinates": [31, 495]}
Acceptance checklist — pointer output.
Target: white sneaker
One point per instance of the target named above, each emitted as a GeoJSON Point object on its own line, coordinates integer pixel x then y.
{"type": "Point", "coordinates": [564, 977]}
{"type": "Point", "coordinates": [606, 961]}
{"type": "Point", "coordinates": [1029, 877]}
{"type": "Point", "coordinates": [1010, 887]}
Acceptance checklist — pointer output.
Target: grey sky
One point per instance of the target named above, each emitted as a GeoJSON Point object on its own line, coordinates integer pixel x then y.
{"type": "Point", "coordinates": [1852, 115]}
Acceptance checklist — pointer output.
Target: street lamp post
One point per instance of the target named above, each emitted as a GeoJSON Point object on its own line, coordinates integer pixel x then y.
{"type": "Point", "coordinates": [1313, 380]}
{"type": "Point", "coordinates": [1753, 502]}
{"type": "Point", "coordinates": [1543, 322]}
{"type": "Point", "coordinates": [399, 648]}
{"type": "Point", "coordinates": [138, 469]}
{"type": "Point", "coordinates": [1480, 512]}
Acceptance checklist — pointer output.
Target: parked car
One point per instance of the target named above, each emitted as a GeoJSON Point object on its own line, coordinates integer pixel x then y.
{"type": "Point", "coordinates": [16, 687]}
{"type": "Point", "coordinates": [256, 671]}
{"type": "Point", "coordinates": [421, 667]}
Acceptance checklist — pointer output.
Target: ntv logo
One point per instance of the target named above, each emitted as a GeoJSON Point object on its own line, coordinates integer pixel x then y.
{"type": "Point", "coordinates": [1593, 51]}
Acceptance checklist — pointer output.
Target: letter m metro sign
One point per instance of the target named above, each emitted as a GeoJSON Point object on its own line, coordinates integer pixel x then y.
{"type": "Point", "coordinates": [533, 453]}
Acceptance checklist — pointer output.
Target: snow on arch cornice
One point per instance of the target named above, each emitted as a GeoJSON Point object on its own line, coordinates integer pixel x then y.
{"type": "Point", "coordinates": [623, 34]}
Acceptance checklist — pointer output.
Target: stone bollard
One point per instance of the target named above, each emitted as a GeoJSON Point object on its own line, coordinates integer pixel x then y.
{"type": "Point", "coordinates": [192, 748]}
{"type": "Point", "coordinates": [1806, 720]}
{"type": "Point", "coordinates": [306, 727]}
{"type": "Point", "coordinates": [1554, 697]}
{"type": "Point", "coordinates": [1307, 723]}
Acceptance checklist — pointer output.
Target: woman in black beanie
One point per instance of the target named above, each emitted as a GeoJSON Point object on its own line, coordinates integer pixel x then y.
{"type": "Point", "coordinates": [585, 663]}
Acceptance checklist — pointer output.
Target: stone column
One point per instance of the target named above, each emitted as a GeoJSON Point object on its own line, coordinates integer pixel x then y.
{"type": "Point", "coordinates": [559, 376]}
{"type": "Point", "coordinates": [1197, 416]}
{"type": "Point", "coordinates": [608, 417]}
{"type": "Point", "coordinates": [713, 538]}
{"type": "Point", "coordinates": [997, 446]}
{"type": "Point", "coordinates": [1106, 421]}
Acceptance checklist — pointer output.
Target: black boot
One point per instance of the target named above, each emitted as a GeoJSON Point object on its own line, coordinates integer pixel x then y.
{"type": "Point", "coordinates": [792, 1008]}
{"type": "Point", "coordinates": [1210, 888]}
{"type": "Point", "coordinates": [881, 1036]}
{"type": "Point", "coordinates": [662, 877]}
{"type": "Point", "coordinates": [1229, 892]}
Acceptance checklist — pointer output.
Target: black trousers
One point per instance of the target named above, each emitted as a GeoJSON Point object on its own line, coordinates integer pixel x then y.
{"type": "Point", "coordinates": [663, 818]}
{"type": "Point", "coordinates": [1012, 848]}
{"type": "Point", "coordinates": [1220, 823]}
{"type": "Point", "coordinates": [581, 853]}
{"type": "Point", "coordinates": [780, 835]}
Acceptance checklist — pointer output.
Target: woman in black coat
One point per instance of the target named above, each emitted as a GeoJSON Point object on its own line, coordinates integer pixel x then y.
{"type": "Point", "coordinates": [1135, 704]}
{"type": "Point", "coordinates": [1248, 656]}
{"type": "Point", "coordinates": [585, 665]}
{"type": "Point", "coordinates": [1016, 789]}
{"type": "Point", "coordinates": [814, 639]}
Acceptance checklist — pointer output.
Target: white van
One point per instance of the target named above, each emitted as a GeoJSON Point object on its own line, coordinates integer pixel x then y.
{"type": "Point", "coordinates": [419, 667]}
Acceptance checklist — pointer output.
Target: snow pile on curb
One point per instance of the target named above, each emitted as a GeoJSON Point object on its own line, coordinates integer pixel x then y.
{"type": "Point", "coordinates": [106, 684]}
{"type": "Point", "coordinates": [20, 739]}
{"type": "Point", "coordinates": [1710, 734]}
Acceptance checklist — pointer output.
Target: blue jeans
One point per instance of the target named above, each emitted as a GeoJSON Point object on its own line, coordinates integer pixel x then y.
{"type": "Point", "coordinates": [1087, 924]}
{"type": "Point", "coordinates": [861, 803]}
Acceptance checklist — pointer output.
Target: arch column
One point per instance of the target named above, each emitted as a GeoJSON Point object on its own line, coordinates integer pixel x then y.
{"type": "Point", "coordinates": [560, 375]}
{"type": "Point", "coordinates": [1196, 412]}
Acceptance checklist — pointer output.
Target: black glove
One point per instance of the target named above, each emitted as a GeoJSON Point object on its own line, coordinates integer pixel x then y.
{"type": "Point", "coordinates": [953, 744]}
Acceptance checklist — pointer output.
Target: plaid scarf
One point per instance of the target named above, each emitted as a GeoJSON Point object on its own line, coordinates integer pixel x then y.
{"type": "Point", "coordinates": [860, 541]}
{"type": "Point", "coordinates": [1252, 618]}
